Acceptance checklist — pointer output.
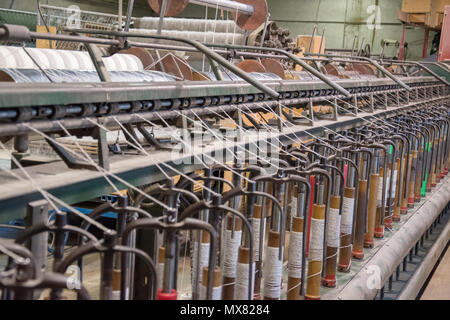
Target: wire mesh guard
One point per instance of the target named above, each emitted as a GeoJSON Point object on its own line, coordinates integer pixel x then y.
{"type": "Point", "coordinates": [73, 16]}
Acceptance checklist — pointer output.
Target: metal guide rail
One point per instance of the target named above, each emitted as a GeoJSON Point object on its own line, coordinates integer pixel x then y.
{"type": "Point", "coordinates": [271, 188]}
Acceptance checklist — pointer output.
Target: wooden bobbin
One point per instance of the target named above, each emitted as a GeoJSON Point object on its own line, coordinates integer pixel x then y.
{"type": "Point", "coordinates": [176, 66]}
{"type": "Point", "coordinates": [447, 164]}
{"type": "Point", "coordinates": [293, 291]}
{"type": "Point", "coordinates": [379, 227]}
{"type": "Point", "coordinates": [251, 66]}
{"type": "Point", "coordinates": [357, 250]}
{"type": "Point", "coordinates": [412, 180]}
{"type": "Point", "coordinates": [257, 214]}
{"type": "Point", "coordinates": [217, 277]}
{"type": "Point", "coordinates": [274, 66]}
{"type": "Point", "coordinates": [433, 180]}
{"type": "Point", "coordinates": [228, 282]}
{"type": "Point", "coordinates": [292, 194]}
{"type": "Point", "coordinates": [389, 200]}
{"type": "Point", "coordinates": [116, 280]}
{"type": "Point", "coordinates": [243, 258]}
{"type": "Point", "coordinates": [314, 267]}
{"type": "Point", "coordinates": [371, 213]}
{"type": "Point", "coordinates": [161, 254]}
{"type": "Point", "coordinates": [361, 68]}
{"type": "Point", "coordinates": [396, 213]}
{"type": "Point", "coordinates": [433, 177]}
{"type": "Point", "coordinates": [331, 253]}
{"type": "Point", "coordinates": [332, 70]}
{"type": "Point", "coordinates": [428, 187]}
{"type": "Point", "coordinates": [259, 16]}
{"type": "Point", "coordinates": [268, 201]}
{"type": "Point", "coordinates": [174, 7]}
{"type": "Point", "coordinates": [345, 251]}
{"type": "Point", "coordinates": [405, 181]}
{"type": "Point", "coordinates": [205, 237]}
{"type": "Point", "coordinates": [244, 255]}
{"type": "Point", "coordinates": [143, 55]}
{"type": "Point", "coordinates": [274, 242]}
{"type": "Point", "coordinates": [438, 173]}
{"type": "Point", "coordinates": [418, 184]}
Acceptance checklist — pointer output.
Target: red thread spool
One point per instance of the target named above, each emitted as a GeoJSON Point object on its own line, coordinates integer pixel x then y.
{"type": "Point", "coordinates": [167, 296]}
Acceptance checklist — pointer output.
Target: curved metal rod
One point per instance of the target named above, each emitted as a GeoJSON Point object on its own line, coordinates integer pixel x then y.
{"type": "Point", "coordinates": [54, 281]}
{"type": "Point", "coordinates": [373, 62]}
{"type": "Point", "coordinates": [207, 205]}
{"type": "Point", "coordinates": [40, 228]}
{"type": "Point", "coordinates": [292, 57]}
{"type": "Point", "coordinates": [188, 223]}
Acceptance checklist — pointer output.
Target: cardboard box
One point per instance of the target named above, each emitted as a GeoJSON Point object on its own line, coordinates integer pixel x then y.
{"type": "Point", "coordinates": [45, 44]}
{"type": "Point", "coordinates": [439, 5]}
{"type": "Point", "coordinates": [424, 6]}
{"type": "Point", "coordinates": [416, 6]}
{"type": "Point", "coordinates": [434, 19]}
{"type": "Point", "coordinates": [305, 42]}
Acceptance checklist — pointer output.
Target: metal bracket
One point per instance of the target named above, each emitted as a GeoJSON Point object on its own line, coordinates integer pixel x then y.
{"type": "Point", "coordinates": [96, 57]}
{"type": "Point", "coordinates": [37, 213]}
{"type": "Point", "coordinates": [68, 158]}
{"type": "Point", "coordinates": [150, 138]}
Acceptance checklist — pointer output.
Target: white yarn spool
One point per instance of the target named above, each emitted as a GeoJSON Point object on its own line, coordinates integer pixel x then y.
{"type": "Point", "coordinates": [209, 36]}
{"type": "Point", "coordinates": [241, 287]}
{"type": "Point", "coordinates": [386, 191]}
{"type": "Point", "coordinates": [294, 201]}
{"type": "Point", "coordinates": [380, 191]}
{"type": "Point", "coordinates": [230, 250]}
{"type": "Point", "coordinates": [256, 236]}
{"type": "Point", "coordinates": [295, 254]}
{"type": "Point", "coordinates": [333, 227]}
{"type": "Point", "coordinates": [348, 206]}
{"type": "Point", "coordinates": [17, 58]}
{"type": "Point", "coordinates": [272, 273]}
{"type": "Point", "coordinates": [203, 259]}
{"type": "Point", "coordinates": [316, 242]}
{"type": "Point", "coordinates": [160, 270]}
{"type": "Point", "coordinates": [394, 184]}
{"type": "Point", "coordinates": [183, 24]}
{"type": "Point", "coordinates": [216, 293]}
{"type": "Point", "coordinates": [115, 295]}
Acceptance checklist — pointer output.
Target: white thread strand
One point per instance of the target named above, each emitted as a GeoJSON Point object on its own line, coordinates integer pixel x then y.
{"type": "Point", "coordinates": [256, 236]}
{"type": "Point", "coordinates": [316, 242]}
{"type": "Point", "coordinates": [241, 288]}
{"type": "Point", "coordinates": [216, 293]}
{"type": "Point", "coordinates": [348, 206]}
{"type": "Point", "coordinates": [230, 252]}
{"type": "Point", "coordinates": [333, 227]}
{"type": "Point", "coordinates": [160, 270]}
{"type": "Point", "coordinates": [203, 261]}
{"type": "Point", "coordinates": [295, 254]}
{"type": "Point", "coordinates": [272, 273]}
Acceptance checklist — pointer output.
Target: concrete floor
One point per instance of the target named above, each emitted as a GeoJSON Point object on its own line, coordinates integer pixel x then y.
{"type": "Point", "coordinates": [439, 286]}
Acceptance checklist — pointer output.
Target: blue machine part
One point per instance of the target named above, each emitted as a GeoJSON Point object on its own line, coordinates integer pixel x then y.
{"type": "Point", "coordinates": [12, 229]}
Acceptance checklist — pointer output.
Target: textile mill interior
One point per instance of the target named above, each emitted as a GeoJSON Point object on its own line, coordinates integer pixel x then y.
{"type": "Point", "coordinates": [224, 150]}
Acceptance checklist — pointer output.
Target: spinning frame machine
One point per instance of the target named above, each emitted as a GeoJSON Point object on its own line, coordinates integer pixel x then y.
{"type": "Point", "coordinates": [358, 150]}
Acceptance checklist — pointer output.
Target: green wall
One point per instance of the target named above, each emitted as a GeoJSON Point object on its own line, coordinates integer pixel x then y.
{"type": "Point", "coordinates": [343, 19]}
{"type": "Point", "coordinates": [106, 6]}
